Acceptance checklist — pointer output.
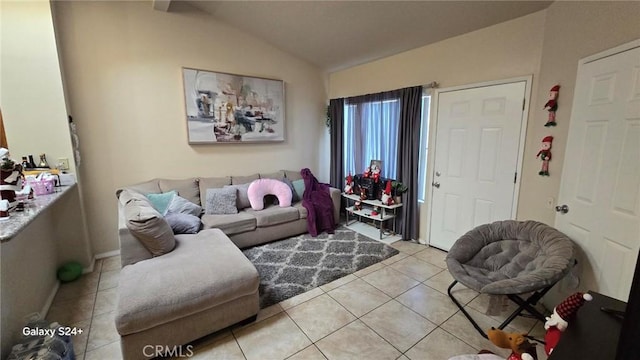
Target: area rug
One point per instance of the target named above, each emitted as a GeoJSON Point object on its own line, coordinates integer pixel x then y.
{"type": "Point", "coordinates": [292, 266]}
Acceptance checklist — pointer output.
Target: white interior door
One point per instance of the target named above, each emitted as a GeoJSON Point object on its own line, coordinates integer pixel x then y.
{"type": "Point", "coordinates": [601, 174]}
{"type": "Point", "coordinates": [476, 157]}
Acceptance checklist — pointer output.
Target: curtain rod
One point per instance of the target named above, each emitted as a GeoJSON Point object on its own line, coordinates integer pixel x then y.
{"type": "Point", "coordinates": [431, 85]}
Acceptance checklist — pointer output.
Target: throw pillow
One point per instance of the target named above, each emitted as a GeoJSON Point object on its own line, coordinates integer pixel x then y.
{"type": "Point", "coordinates": [221, 201]}
{"type": "Point", "coordinates": [298, 185]}
{"type": "Point", "coordinates": [161, 201]}
{"type": "Point", "coordinates": [149, 227]}
{"type": "Point", "coordinates": [183, 223]}
{"type": "Point", "coordinates": [243, 197]}
{"type": "Point", "coordinates": [180, 205]}
{"type": "Point", "coordinates": [294, 194]}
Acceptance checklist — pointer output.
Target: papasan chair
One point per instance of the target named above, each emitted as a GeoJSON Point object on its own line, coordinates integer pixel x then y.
{"type": "Point", "coordinates": [512, 258]}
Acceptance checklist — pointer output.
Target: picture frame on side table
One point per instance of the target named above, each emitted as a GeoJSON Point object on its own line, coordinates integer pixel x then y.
{"type": "Point", "coordinates": [223, 108]}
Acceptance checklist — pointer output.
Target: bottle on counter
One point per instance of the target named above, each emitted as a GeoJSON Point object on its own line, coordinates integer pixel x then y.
{"type": "Point", "coordinates": [32, 164]}
{"type": "Point", "coordinates": [25, 162]}
{"type": "Point", "coordinates": [43, 161]}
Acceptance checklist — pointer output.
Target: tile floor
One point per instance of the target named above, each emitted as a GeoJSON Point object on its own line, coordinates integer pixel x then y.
{"type": "Point", "coordinates": [396, 309]}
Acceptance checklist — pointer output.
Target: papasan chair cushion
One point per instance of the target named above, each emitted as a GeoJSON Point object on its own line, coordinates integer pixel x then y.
{"type": "Point", "coordinates": [511, 257]}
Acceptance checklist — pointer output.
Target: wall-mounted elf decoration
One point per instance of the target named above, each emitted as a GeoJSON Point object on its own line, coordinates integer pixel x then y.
{"type": "Point", "coordinates": [552, 105]}
{"type": "Point", "coordinates": [545, 155]}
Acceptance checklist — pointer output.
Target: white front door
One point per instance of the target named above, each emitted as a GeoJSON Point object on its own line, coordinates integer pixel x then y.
{"type": "Point", "coordinates": [601, 175]}
{"type": "Point", "coordinates": [476, 157]}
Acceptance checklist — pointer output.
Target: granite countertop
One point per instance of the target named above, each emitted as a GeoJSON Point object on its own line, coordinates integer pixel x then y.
{"type": "Point", "coordinates": [18, 220]}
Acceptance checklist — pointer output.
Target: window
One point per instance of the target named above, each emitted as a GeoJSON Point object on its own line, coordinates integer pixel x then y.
{"type": "Point", "coordinates": [371, 133]}
{"type": "Point", "coordinates": [424, 148]}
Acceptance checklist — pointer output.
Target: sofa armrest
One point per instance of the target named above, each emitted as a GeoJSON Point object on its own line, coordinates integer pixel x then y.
{"type": "Point", "coordinates": [131, 249]}
{"type": "Point", "coordinates": [336, 197]}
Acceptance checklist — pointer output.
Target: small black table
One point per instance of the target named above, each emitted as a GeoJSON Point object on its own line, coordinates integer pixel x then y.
{"type": "Point", "coordinates": [593, 334]}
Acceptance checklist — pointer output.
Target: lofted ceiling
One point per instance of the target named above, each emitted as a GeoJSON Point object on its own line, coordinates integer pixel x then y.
{"type": "Point", "coordinates": [335, 35]}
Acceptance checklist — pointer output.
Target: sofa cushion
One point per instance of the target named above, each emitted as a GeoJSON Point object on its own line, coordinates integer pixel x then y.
{"type": "Point", "coordinates": [148, 225]}
{"type": "Point", "coordinates": [184, 282]}
{"type": "Point", "coordinates": [212, 183]}
{"type": "Point", "coordinates": [274, 215]}
{"type": "Point", "coordinates": [242, 200]}
{"type": "Point", "coordinates": [147, 187]}
{"type": "Point", "coordinates": [161, 201]}
{"type": "Point", "coordinates": [294, 194]}
{"type": "Point", "coordinates": [230, 224]}
{"type": "Point", "coordinates": [236, 180]}
{"type": "Point", "coordinates": [301, 209]}
{"type": "Point", "coordinates": [187, 188]}
{"type": "Point", "coordinates": [298, 186]}
{"type": "Point", "coordinates": [183, 223]}
{"type": "Point", "coordinates": [221, 201]}
{"type": "Point", "coordinates": [278, 175]}
{"type": "Point", "coordinates": [292, 175]}
{"type": "Point", "coordinates": [180, 205]}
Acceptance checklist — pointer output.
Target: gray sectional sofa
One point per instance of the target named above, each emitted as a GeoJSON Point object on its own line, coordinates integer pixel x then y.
{"type": "Point", "coordinates": [203, 283]}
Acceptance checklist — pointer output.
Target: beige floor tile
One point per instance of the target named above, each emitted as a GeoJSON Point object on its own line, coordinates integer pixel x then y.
{"type": "Point", "coordinates": [274, 338]}
{"type": "Point", "coordinates": [299, 299]}
{"type": "Point", "coordinates": [416, 269]}
{"type": "Point", "coordinates": [320, 316]}
{"type": "Point", "coordinates": [79, 341]}
{"type": "Point", "coordinates": [359, 297]}
{"type": "Point", "coordinates": [103, 331]}
{"type": "Point", "coordinates": [398, 325]}
{"type": "Point", "coordinates": [108, 279]}
{"type": "Point", "coordinates": [429, 303]}
{"type": "Point", "coordinates": [105, 301]}
{"type": "Point", "coordinates": [310, 353]}
{"type": "Point", "coordinates": [460, 326]}
{"type": "Point", "coordinates": [395, 258]}
{"type": "Point", "coordinates": [224, 347]}
{"type": "Point", "coordinates": [356, 341]}
{"type": "Point", "coordinates": [433, 256]}
{"type": "Point", "coordinates": [97, 266]}
{"type": "Point", "coordinates": [86, 284]}
{"type": "Point", "coordinates": [402, 357]}
{"type": "Point", "coordinates": [337, 283]}
{"type": "Point", "coordinates": [111, 351]}
{"type": "Point", "coordinates": [72, 311]}
{"type": "Point", "coordinates": [111, 263]}
{"type": "Point", "coordinates": [390, 281]}
{"type": "Point", "coordinates": [439, 345]}
{"type": "Point", "coordinates": [269, 312]}
{"type": "Point", "coordinates": [521, 324]}
{"type": "Point", "coordinates": [408, 247]}
{"type": "Point", "coordinates": [441, 283]}
{"type": "Point", "coordinates": [369, 270]}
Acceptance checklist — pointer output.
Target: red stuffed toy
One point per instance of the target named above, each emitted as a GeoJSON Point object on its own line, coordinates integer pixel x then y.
{"type": "Point", "coordinates": [552, 105]}
{"type": "Point", "coordinates": [545, 155]}
{"type": "Point", "coordinates": [559, 320]}
{"type": "Point", "coordinates": [348, 188]}
{"type": "Point", "coordinates": [387, 199]}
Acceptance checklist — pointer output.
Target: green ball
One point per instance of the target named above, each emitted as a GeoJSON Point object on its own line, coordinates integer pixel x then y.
{"type": "Point", "coordinates": [69, 271]}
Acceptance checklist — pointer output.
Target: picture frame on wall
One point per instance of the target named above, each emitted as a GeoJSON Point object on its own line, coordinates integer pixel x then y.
{"type": "Point", "coordinates": [223, 108]}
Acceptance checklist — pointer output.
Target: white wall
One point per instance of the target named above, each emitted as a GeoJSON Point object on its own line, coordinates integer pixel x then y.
{"type": "Point", "coordinates": [31, 95]}
{"type": "Point", "coordinates": [122, 64]}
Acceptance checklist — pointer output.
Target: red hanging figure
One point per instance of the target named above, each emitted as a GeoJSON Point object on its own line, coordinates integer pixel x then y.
{"type": "Point", "coordinates": [545, 155]}
{"type": "Point", "coordinates": [552, 105]}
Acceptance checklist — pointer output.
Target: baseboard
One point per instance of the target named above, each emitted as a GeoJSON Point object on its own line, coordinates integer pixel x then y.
{"type": "Point", "coordinates": [47, 304]}
{"type": "Point", "coordinates": [107, 254]}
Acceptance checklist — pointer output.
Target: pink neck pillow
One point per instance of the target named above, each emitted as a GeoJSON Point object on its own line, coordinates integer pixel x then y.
{"type": "Point", "coordinates": [261, 187]}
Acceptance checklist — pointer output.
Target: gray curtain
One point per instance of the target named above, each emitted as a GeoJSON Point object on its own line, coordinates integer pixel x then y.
{"type": "Point", "coordinates": [336, 170]}
{"type": "Point", "coordinates": [408, 156]}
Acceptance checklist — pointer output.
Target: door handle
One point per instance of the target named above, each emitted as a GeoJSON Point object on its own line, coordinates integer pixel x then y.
{"type": "Point", "coordinates": [435, 184]}
{"type": "Point", "coordinates": [438, 173]}
{"type": "Point", "coordinates": [562, 209]}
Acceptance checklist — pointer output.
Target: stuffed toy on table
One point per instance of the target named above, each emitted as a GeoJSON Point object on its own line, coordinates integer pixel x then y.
{"type": "Point", "coordinates": [557, 323]}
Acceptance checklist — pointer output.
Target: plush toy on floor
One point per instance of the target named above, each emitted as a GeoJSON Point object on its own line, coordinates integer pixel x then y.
{"type": "Point", "coordinates": [559, 320]}
{"type": "Point", "coordinates": [521, 348]}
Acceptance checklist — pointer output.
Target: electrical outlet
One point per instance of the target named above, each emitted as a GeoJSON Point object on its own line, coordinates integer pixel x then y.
{"type": "Point", "coordinates": [63, 163]}
{"type": "Point", "coordinates": [550, 202]}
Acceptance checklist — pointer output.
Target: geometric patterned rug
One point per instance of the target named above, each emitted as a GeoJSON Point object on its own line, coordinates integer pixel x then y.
{"type": "Point", "coordinates": [292, 266]}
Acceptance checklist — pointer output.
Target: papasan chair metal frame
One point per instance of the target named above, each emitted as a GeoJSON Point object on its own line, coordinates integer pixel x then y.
{"type": "Point", "coordinates": [511, 258]}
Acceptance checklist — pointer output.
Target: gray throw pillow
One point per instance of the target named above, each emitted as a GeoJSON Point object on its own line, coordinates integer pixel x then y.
{"type": "Point", "coordinates": [183, 223]}
{"type": "Point", "coordinates": [180, 205]}
{"type": "Point", "coordinates": [221, 201]}
{"type": "Point", "coordinates": [148, 226]}
{"type": "Point", "coordinates": [294, 196]}
{"type": "Point", "coordinates": [242, 195]}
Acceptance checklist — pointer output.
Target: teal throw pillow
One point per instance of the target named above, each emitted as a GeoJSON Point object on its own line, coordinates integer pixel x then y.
{"type": "Point", "coordinates": [161, 201]}
{"type": "Point", "coordinates": [298, 185]}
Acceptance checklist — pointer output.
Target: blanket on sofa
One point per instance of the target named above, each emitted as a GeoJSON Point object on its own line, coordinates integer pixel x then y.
{"type": "Point", "coordinates": [317, 200]}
